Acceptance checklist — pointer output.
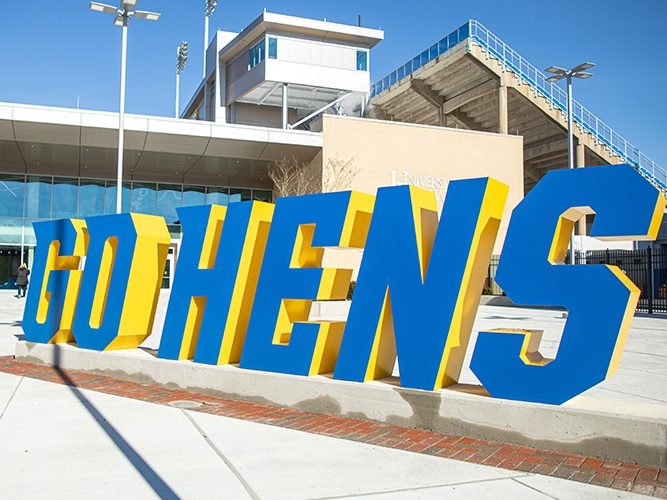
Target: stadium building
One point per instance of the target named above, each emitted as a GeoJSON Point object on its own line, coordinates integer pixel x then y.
{"type": "Point", "coordinates": [289, 88]}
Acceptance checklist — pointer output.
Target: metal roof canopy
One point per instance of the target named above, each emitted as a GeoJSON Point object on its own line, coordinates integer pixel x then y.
{"type": "Point", "coordinates": [57, 141]}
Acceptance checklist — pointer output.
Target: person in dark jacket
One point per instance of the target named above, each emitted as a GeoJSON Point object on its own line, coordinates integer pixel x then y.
{"type": "Point", "coordinates": [22, 280]}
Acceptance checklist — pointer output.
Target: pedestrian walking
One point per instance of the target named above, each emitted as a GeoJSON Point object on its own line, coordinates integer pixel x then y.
{"type": "Point", "coordinates": [22, 280]}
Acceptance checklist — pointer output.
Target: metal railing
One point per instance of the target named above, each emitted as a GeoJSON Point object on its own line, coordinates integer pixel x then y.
{"type": "Point", "coordinates": [647, 268]}
{"type": "Point", "coordinates": [474, 32]}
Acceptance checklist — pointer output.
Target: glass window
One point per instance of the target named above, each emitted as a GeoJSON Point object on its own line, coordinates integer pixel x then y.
{"type": "Point", "coordinates": [194, 195]}
{"type": "Point", "coordinates": [91, 198]}
{"type": "Point", "coordinates": [362, 60]}
{"type": "Point", "coordinates": [217, 196]}
{"type": "Point", "coordinates": [433, 52]}
{"type": "Point", "coordinates": [38, 197]}
{"type": "Point", "coordinates": [261, 195]}
{"type": "Point", "coordinates": [453, 39]}
{"type": "Point", "coordinates": [65, 197]}
{"type": "Point", "coordinates": [257, 54]}
{"type": "Point", "coordinates": [169, 198]}
{"type": "Point", "coordinates": [11, 195]}
{"type": "Point", "coordinates": [424, 57]}
{"type": "Point", "coordinates": [110, 198]}
{"type": "Point", "coordinates": [144, 198]}
{"type": "Point", "coordinates": [239, 195]}
{"type": "Point", "coordinates": [416, 63]}
{"type": "Point", "coordinates": [273, 48]}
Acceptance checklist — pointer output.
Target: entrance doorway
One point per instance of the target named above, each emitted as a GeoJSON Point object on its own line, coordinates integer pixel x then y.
{"type": "Point", "coordinates": [10, 260]}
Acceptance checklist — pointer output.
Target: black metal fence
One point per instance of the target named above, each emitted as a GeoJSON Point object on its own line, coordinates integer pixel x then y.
{"type": "Point", "coordinates": [646, 268]}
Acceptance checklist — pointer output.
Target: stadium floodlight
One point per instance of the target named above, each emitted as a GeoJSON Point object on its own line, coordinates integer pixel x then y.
{"type": "Point", "coordinates": [208, 11]}
{"type": "Point", "coordinates": [122, 14]}
{"type": "Point", "coordinates": [210, 6]}
{"type": "Point", "coordinates": [568, 74]}
{"type": "Point", "coordinates": [181, 61]}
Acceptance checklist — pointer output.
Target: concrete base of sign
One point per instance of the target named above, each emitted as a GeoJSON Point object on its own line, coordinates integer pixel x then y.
{"type": "Point", "coordinates": [608, 429]}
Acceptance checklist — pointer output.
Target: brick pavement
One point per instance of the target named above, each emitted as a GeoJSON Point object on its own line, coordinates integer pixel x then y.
{"type": "Point", "coordinates": [608, 473]}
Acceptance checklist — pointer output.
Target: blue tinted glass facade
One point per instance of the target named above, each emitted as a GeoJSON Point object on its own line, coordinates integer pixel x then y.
{"type": "Point", "coordinates": [65, 198]}
{"type": "Point", "coordinates": [38, 198]}
{"type": "Point", "coordinates": [169, 198]}
{"type": "Point", "coordinates": [144, 198]}
{"type": "Point", "coordinates": [12, 195]}
{"type": "Point", "coordinates": [26, 199]}
{"type": "Point", "coordinates": [91, 197]}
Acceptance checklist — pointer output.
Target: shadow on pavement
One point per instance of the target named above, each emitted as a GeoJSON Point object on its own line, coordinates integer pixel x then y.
{"type": "Point", "coordinates": [150, 476]}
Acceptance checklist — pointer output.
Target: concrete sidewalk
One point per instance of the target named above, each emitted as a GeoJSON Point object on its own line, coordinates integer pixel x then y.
{"type": "Point", "coordinates": [62, 441]}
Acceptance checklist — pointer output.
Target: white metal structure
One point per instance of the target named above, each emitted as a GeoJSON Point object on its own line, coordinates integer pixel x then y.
{"type": "Point", "coordinates": [281, 69]}
{"type": "Point", "coordinates": [181, 61]}
{"type": "Point", "coordinates": [208, 11]}
{"type": "Point", "coordinates": [123, 15]}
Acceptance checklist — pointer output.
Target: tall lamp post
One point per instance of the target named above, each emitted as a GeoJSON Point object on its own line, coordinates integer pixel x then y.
{"type": "Point", "coordinates": [558, 74]}
{"type": "Point", "coordinates": [210, 8]}
{"type": "Point", "coordinates": [123, 15]}
{"type": "Point", "coordinates": [181, 61]}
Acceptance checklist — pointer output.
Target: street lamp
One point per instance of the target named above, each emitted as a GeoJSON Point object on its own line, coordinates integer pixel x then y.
{"type": "Point", "coordinates": [181, 60]}
{"type": "Point", "coordinates": [569, 74]}
{"type": "Point", "coordinates": [123, 15]}
{"type": "Point", "coordinates": [210, 8]}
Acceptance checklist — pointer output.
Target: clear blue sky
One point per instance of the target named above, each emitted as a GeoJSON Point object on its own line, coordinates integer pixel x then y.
{"type": "Point", "coordinates": [56, 51]}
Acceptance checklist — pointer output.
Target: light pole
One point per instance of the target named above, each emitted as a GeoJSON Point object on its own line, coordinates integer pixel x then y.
{"type": "Point", "coordinates": [181, 60]}
{"type": "Point", "coordinates": [560, 73]}
{"type": "Point", "coordinates": [123, 15]}
{"type": "Point", "coordinates": [210, 8]}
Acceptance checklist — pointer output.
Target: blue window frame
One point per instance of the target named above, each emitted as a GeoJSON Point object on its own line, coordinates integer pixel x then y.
{"type": "Point", "coordinates": [362, 60]}
{"type": "Point", "coordinates": [257, 53]}
{"type": "Point", "coordinates": [273, 48]}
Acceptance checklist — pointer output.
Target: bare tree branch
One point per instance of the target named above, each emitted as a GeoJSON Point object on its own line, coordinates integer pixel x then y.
{"type": "Point", "coordinates": [293, 178]}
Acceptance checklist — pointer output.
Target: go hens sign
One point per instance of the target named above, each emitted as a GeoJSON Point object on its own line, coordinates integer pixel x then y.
{"type": "Point", "coordinates": [248, 273]}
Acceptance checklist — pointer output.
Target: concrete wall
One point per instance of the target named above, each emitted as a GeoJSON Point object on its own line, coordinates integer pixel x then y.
{"type": "Point", "coordinates": [390, 153]}
{"type": "Point", "coordinates": [261, 116]}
